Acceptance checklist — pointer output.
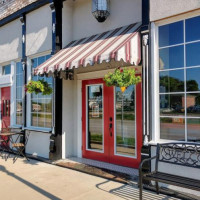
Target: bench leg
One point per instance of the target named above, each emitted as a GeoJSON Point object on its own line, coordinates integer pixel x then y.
{"type": "Point", "coordinates": [157, 188]}
{"type": "Point", "coordinates": [140, 187]}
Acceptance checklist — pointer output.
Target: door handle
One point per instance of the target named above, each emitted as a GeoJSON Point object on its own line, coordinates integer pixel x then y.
{"type": "Point", "coordinates": [110, 129]}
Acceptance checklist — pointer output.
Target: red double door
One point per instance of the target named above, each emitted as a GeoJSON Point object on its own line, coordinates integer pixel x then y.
{"type": "Point", "coordinates": [111, 123]}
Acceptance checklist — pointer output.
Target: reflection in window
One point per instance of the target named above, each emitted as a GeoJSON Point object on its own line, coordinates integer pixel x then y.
{"type": "Point", "coordinates": [193, 104]}
{"type": "Point", "coordinates": [192, 29]}
{"type": "Point", "coordinates": [171, 57]}
{"type": "Point", "coordinates": [125, 121]}
{"type": "Point", "coordinates": [95, 117]}
{"type": "Point", "coordinates": [192, 54]}
{"type": "Point", "coordinates": [171, 34]}
{"type": "Point", "coordinates": [193, 130]}
{"type": "Point", "coordinates": [19, 88]}
{"type": "Point", "coordinates": [172, 104]}
{"type": "Point", "coordinates": [41, 105]}
{"type": "Point", "coordinates": [172, 81]}
{"type": "Point", "coordinates": [180, 88]}
{"type": "Point", "coordinates": [193, 80]}
{"type": "Point", "coordinates": [6, 69]}
{"type": "Point", "coordinates": [172, 128]}
{"type": "Point", "coordinates": [6, 108]}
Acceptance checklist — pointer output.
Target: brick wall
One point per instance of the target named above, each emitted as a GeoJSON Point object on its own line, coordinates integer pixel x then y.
{"type": "Point", "coordinates": [8, 7]}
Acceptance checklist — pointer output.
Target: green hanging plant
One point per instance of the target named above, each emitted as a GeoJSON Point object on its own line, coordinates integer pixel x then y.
{"type": "Point", "coordinates": [122, 78]}
{"type": "Point", "coordinates": [40, 86]}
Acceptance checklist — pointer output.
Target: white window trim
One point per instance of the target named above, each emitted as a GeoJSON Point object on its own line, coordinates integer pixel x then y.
{"type": "Point", "coordinates": [155, 83]}
{"type": "Point", "coordinates": [13, 95]}
{"type": "Point", "coordinates": [155, 74]}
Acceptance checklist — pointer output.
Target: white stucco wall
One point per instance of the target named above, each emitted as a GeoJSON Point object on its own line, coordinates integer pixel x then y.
{"type": "Point", "coordinates": [5, 80]}
{"type": "Point", "coordinates": [69, 117]}
{"type": "Point", "coordinates": [176, 170]}
{"type": "Point", "coordinates": [160, 9]}
{"type": "Point", "coordinates": [84, 24]}
{"type": "Point", "coordinates": [10, 41]}
{"type": "Point", "coordinates": [67, 22]}
{"type": "Point", "coordinates": [39, 31]}
{"type": "Point", "coordinates": [38, 144]}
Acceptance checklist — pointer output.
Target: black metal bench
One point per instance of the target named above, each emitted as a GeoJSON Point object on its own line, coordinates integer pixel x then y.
{"type": "Point", "coordinates": [183, 154]}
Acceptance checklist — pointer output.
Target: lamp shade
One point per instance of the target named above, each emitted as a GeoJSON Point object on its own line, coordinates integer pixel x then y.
{"type": "Point", "coordinates": [101, 9]}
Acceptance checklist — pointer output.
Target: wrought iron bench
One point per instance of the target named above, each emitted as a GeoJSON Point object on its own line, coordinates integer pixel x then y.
{"type": "Point", "coordinates": [182, 154]}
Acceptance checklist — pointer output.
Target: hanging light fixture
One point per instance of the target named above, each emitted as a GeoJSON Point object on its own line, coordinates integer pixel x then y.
{"type": "Point", "coordinates": [101, 9]}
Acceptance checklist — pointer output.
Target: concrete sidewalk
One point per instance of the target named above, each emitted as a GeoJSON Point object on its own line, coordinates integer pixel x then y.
{"type": "Point", "coordinates": [39, 181]}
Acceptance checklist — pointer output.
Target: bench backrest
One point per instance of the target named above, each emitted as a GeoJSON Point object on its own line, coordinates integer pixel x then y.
{"type": "Point", "coordinates": [185, 154]}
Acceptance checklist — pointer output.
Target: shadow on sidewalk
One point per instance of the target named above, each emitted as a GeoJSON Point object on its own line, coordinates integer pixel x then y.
{"type": "Point", "coordinates": [34, 187]}
{"type": "Point", "coordinates": [131, 192]}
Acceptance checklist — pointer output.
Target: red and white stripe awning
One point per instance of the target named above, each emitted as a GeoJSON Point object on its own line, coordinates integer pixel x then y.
{"type": "Point", "coordinates": [120, 44]}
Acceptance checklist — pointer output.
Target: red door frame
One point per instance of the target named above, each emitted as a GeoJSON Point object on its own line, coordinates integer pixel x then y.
{"type": "Point", "coordinates": [87, 153]}
{"type": "Point", "coordinates": [108, 102]}
{"type": "Point", "coordinates": [5, 101]}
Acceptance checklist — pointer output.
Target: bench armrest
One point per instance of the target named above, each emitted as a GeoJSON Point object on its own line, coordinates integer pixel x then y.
{"type": "Point", "coordinates": [144, 161]}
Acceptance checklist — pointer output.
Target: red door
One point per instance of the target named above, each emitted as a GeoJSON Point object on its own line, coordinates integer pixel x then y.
{"type": "Point", "coordinates": [5, 108]}
{"type": "Point", "coordinates": [111, 123]}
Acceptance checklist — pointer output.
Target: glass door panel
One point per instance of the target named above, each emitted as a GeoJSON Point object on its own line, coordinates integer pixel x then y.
{"type": "Point", "coordinates": [95, 124]}
{"type": "Point", "coordinates": [125, 125]}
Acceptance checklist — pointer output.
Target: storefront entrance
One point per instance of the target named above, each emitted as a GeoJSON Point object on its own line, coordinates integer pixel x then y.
{"type": "Point", "coordinates": [111, 123]}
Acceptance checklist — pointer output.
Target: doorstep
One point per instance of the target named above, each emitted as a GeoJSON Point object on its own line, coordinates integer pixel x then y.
{"type": "Point", "coordinates": [106, 170]}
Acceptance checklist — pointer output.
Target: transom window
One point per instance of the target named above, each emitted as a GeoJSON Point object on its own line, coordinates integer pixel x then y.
{"type": "Point", "coordinates": [6, 69]}
{"type": "Point", "coordinates": [41, 105]}
{"type": "Point", "coordinates": [179, 71]}
{"type": "Point", "coordinates": [19, 88]}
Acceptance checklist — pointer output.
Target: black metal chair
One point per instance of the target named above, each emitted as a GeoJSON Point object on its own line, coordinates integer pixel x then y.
{"type": "Point", "coordinates": [20, 146]}
{"type": "Point", "coordinates": [2, 149]}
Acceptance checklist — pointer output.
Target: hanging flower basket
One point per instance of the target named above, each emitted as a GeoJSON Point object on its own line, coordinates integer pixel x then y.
{"type": "Point", "coordinates": [40, 86]}
{"type": "Point", "coordinates": [122, 78]}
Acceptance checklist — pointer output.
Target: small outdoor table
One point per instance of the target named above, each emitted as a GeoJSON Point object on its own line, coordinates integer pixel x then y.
{"type": "Point", "coordinates": [7, 142]}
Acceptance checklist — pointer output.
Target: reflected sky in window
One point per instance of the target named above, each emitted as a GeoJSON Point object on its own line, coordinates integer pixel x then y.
{"type": "Point", "coordinates": [192, 29]}
{"type": "Point", "coordinates": [192, 54]}
{"type": "Point", "coordinates": [171, 34]}
{"type": "Point", "coordinates": [172, 57]}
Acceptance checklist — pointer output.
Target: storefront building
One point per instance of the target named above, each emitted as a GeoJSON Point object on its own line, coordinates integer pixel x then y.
{"type": "Point", "coordinates": [24, 44]}
{"type": "Point", "coordinates": [93, 126]}
{"type": "Point", "coordinates": [83, 117]}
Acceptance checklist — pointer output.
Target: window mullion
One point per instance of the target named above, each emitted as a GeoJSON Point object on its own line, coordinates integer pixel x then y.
{"type": "Point", "coordinates": [185, 78]}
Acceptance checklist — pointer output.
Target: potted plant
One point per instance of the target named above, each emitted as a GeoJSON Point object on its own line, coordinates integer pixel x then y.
{"type": "Point", "coordinates": [40, 86]}
{"type": "Point", "coordinates": [122, 78]}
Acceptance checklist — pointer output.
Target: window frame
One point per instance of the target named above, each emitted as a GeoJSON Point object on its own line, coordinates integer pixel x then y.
{"type": "Point", "coordinates": [28, 103]}
{"type": "Point", "coordinates": [2, 70]}
{"type": "Point", "coordinates": [155, 82]}
{"type": "Point", "coordinates": [15, 95]}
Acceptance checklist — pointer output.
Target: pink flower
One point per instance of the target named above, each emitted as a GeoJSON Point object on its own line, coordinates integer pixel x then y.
{"type": "Point", "coordinates": [121, 70]}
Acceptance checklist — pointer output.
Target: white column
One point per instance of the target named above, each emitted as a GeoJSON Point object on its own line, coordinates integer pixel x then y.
{"type": "Point", "coordinates": [63, 145]}
{"type": "Point", "coordinates": [13, 94]}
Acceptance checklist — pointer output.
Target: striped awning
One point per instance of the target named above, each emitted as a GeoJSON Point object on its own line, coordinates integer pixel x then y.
{"type": "Point", "coordinates": [120, 44]}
